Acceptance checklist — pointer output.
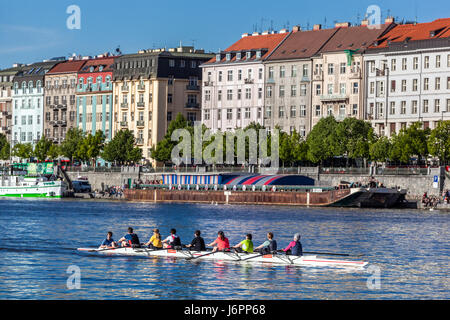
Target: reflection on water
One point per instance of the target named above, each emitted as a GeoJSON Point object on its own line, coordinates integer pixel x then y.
{"type": "Point", "coordinates": [38, 241]}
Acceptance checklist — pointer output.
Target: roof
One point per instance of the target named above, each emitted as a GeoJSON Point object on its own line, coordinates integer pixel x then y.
{"type": "Point", "coordinates": [437, 29]}
{"type": "Point", "coordinates": [355, 38]}
{"type": "Point", "coordinates": [106, 63]}
{"type": "Point", "coordinates": [36, 69]}
{"type": "Point", "coordinates": [67, 67]}
{"type": "Point", "coordinates": [302, 44]}
{"type": "Point", "coordinates": [255, 42]}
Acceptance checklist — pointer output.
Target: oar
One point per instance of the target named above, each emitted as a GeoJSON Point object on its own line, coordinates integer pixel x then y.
{"type": "Point", "coordinates": [258, 255]}
{"type": "Point", "coordinates": [334, 254]}
{"type": "Point", "coordinates": [203, 255]}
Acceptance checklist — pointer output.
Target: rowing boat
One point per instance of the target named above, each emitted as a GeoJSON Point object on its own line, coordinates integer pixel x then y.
{"type": "Point", "coordinates": [307, 261]}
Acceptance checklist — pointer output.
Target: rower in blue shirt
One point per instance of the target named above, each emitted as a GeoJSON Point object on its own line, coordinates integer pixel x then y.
{"type": "Point", "coordinates": [130, 239]}
{"type": "Point", "coordinates": [108, 242]}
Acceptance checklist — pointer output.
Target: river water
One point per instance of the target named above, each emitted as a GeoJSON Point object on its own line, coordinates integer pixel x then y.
{"type": "Point", "coordinates": [408, 251]}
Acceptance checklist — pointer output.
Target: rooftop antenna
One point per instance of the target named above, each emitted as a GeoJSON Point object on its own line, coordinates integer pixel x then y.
{"type": "Point", "coordinates": [193, 42]}
{"type": "Point", "coordinates": [307, 26]}
{"type": "Point", "coordinates": [271, 25]}
{"type": "Point", "coordinates": [325, 23]}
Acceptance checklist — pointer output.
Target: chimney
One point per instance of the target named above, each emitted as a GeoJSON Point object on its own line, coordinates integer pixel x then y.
{"type": "Point", "coordinates": [317, 27]}
{"type": "Point", "coordinates": [283, 31]}
{"type": "Point", "coordinates": [255, 34]}
{"type": "Point", "coordinates": [244, 35]}
{"type": "Point", "coordinates": [296, 29]}
{"type": "Point", "coordinates": [265, 32]}
{"type": "Point", "coordinates": [389, 20]}
{"type": "Point", "coordinates": [342, 25]}
{"type": "Point", "coordinates": [365, 23]}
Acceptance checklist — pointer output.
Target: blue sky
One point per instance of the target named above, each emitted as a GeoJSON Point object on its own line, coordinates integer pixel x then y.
{"type": "Point", "coordinates": [31, 31]}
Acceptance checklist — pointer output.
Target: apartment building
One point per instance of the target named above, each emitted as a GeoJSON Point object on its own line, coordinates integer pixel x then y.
{"type": "Point", "coordinates": [94, 96]}
{"type": "Point", "coordinates": [60, 108]}
{"type": "Point", "coordinates": [338, 69]}
{"type": "Point", "coordinates": [6, 86]}
{"type": "Point", "coordinates": [152, 86]}
{"type": "Point", "coordinates": [408, 77]}
{"type": "Point", "coordinates": [288, 74]}
{"type": "Point", "coordinates": [234, 82]}
{"type": "Point", "coordinates": [28, 102]}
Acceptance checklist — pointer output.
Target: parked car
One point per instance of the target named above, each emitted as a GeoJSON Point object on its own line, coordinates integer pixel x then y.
{"type": "Point", "coordinates": [81, 186]}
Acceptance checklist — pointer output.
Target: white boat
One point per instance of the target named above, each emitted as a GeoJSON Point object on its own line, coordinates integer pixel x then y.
{"type": "Point", "coordinates": [31, 187]}
{"type": "Point", "coordinates": [307, 261]}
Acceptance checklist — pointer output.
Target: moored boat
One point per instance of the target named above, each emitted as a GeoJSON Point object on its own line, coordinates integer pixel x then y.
{"type": "Point", "coordinates": [31, 187]}
{"type": "Point", "coordinates": [306, 261]}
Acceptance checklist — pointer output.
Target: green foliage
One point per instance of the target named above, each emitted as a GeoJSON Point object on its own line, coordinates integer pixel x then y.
{"type": "Point", "coordinates": [23, 150]}
{"type": "Point", "coordinates": [323, 141]}
{"type": "Point", "coordinates": [411, 141]}
{"type": "Point", "coordinates": [121, 148]}
{"type": "Point", "coordinates": [42, 148]}
{"type": "Point", "coordinates": [71, 145]}
{"type": "Point", "coordinates": [439, 141]}
{"type": "Point", "coordinates": [380, 149]}
{"type": "Point", "coordinates": [354, 138]}
{"type": "Point", "coordinates": [91, 146]}
{"type": "Point", "coordinates": [4, 147]}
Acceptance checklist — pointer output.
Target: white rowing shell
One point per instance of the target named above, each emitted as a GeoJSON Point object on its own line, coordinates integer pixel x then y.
{"type": "Point", "coordinates": [312, 261]}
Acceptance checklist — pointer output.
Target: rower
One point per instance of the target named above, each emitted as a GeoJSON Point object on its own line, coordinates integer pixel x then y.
{"type": "Point", "coordinates": [221, 243]}
{"type": "Point", "coordinates": [268, 246]}
{"type": "Point", "coordinates": [295, 247]}
{"type": "Point", "coordinates": [130, 239]}
{"type": "Point", "coordinates": [155, 240]}
{"type": "Point", "coordinates": [197, 244]}
{"type": "Point", "coordinates": [108, 242]}
{"type": "Point", "coordinates": [245, 245]}
{"type": "Point", "coordinates": [173, 241]}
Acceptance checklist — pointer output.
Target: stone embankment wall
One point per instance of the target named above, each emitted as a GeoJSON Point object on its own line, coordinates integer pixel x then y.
{"type": "Point", "coordinates": [416, 185]}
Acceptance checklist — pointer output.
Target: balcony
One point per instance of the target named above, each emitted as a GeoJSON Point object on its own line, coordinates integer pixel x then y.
{"type": "Point", "coordinates": [141, 87]}
{"type": "Point", "coordinates": [125, 88]}
{"type": "Point", "coordinates": [54, 123]}
{"type": "Point", "coordinates": [140, 104]}
{"type": "Point", "coordinates": [140, 141]}
{"type": "Point", "coordinates": [62, 106]}
{"type": "Point", "coordinates": [123, 123]}
{"type": "Point", "coordinates": [208, 83]}
{"type": "Point", "coordinates": [62, 123]}
{"type": "Point", "coordinates": [355, 73]}
{"type": "Point", "coordinates": [192, 87]}
{"type": "Point", "coordinates": [334, 97]}
{"type": "Point", "coordinates": [271, 81]}
{"type": "Point", "coordinates": [140, 123]}
{"type": "Point", "coordinates": [192, 105]}
{"type": "Point", "coordinates": [124, 105]}
{"type": "Point", "coordinates": [318, 76]}
{"type": "Point", "coordinates": [248, 81]}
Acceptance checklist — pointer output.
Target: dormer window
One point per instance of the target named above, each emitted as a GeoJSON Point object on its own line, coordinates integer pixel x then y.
{"type": "Point", "coordinates": [258, 54]}
{"type": "Point", "coordinates": [91, 69]}
{"type": "Point", "coordinates": [238, 56]}
{"type": "Point", "coordinates": [100, 68]}
{"type": "Point", "coordinates": [248, 54]}
{"type": "Point", "coordinates": [218, 57]}
{"type": "Point", "coordinates": [228, 56]}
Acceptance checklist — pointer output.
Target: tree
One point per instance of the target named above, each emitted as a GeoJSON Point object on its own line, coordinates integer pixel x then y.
{"type": "Point", "coordinates": [42, 148]}
{"type": "Point", "coordinates": [4, 147]}
{"type": "Point", "coordinates": [72, 142]}
{"type": "Point", "coordinates": [439, 142]}
{"type": "Point", "coordinates": [91, 146]}
{"type": "Point", "coordinates": [380, 149]}
{"type": "Point", "coordinates": [121, 148]}
{"type": "Point", "coordinates": [322, 140]}
{"type": "Point", "coordinates": [299, 147]}
{"type": "Point", "coordinates": [409, 142]}
{"type": "Point", "coordinates": [23, 150]}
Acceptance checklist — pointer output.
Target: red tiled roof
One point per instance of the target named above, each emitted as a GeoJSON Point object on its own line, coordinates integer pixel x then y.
{"type": "Point", "coordinates": [67, 67]}
{"type": "Point", "coordinates": [302, 44]}
{"type": "Point", "coordinates": [250, 42]}
{"type": "Point", "coordinates": [353, 38]}
{"type": "Point", "coordinates": [414, 32]}
{"type": "Point", "coordinates": [96, 63]}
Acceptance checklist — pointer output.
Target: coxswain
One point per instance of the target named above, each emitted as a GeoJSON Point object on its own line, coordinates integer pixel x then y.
{"type": "Point", "coordinates": [268, 246]}
{"type": "Point", "coordinates": [295, 247]}
{"type": "Point", "coordinates": [108, 242]}
{"type": "Point", "coordinates": [155, 240]}
{"type": "Point", "coordinates": [221, 243]}
{"type": "Point", "coordinates": [173, 241]}
{"type": "Point", "coordinates": [245, 245]}
{"type": "Point", "coordinates": [130, 239]}
{"type": "Point", "coordinates": [198, 243]}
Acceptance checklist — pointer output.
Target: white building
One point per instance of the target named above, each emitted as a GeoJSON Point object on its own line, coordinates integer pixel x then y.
{"type": "Point", "coordinates": [408, 77]}
{"type": "Point", "coordinates": [233, 82]}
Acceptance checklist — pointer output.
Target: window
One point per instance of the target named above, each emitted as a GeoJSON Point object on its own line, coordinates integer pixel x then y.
{"type": "Point", "coordinates": [260, 93]}
{"type": "Point", "coordinates": [207, 95]}
{"type": "Point", "coordinates": [182, 63]}
{"type": "Point", "coordinates": [415, 85]}
{"type": "Point", "coordinates": [342, 89]}
{"type": "Point", "coordinates": [404, 64]}
{"type": "Point", "coordinates": [270, 72]}
{"type": "Point", "coordinates": [248, 93]}
{"type": "Point", "coordinates": [330, 68]}
{"type": "Point", "coordinates": [330, 88]}
{"type": "Point", "coordinates": [318, 89]}
{"type": "Point", "coordinates": [249, 74]}
{"type": "Point", "coordinates": [342, 68]}
{"type": "Point", "coordinates": [219, 95]}
{"type": "Point", "coordinates": [329, 110]}
{"type": "Point", "coordinates": [238, 114]}
{"type": "Point", "coordinates": [269, 112]}
{"type": "Point", "coordinates": [318, 111]}
{"type": "Point", "coordinates": [415, 63]}
{"type": "Point", "coordinates": [355, 109]}
{"type": "Point", "coordinates": [356, 87]}
{"type": "Point", "coordinates": [293, 71]}
{"type": "Point", "coordinates": [220, 76]}
{"type": "Point", "coordinates": [169, 116]}
{"type": "Point", "coordinates": [247, 113]}
{"type": "Point", "coordinates": [260, 73]}
{"type": "Point", "coordinates": [207, 114]}
{"type": "Point", "coordinates": [342, 110]}
{"type": "Point", "coordinates": [230, 75]}
{"type": "Point", "coordinates": [24, 120]}
{"type": "Point", "coordinates": [303, 89]}
{"type": "Point", "coordinates": [229, 94]}
{"type": "Point", "coordinates": [293, 111]}
{"type": "Point", "coordinates": [393, 64]}
{"type": "Point", "coordinates": [425, 106]}
{"type": "Point", "coordinates": [239, 94]}
{"type": "Point", "coordinates": [437, 105]}
{"type": "Point", "coordinates": [282, 71]}
{"type": "Point", "coordinates": [169, 98]}
{"type": "Point", "coordinates": [403, 107]}
{"type": "Point", "coordinates": [414, 108]}
{"type": "Point", "coordinates": [305, 71]}
{"type": "Point", "coordinates": [171, 63]}
{"type": "Point", "coordinates": [448, 83]}
{"type": "Point", "coordinates": [393, 83]}
{"type": "Point", "coordinates": [30, 119]}
{"type": "Point", "coordinates": [426, 62]}
{"type": "Point", "coordinates": [437, 84]}
{"type": "Point", "coordinates": [281, 91]}
{"type": "Point", "coordinates": [293, 91]}
{"type": "Point", "coordinates": [239, 75]}
{"type": "Point", "coordinates": [259, 113]}
{"type": "Point", "coordinates": [403, 85]}
{"type": "Point", "coordinates": [269, 91]}
{"type": "Point", "coordinates": [302, 111]}
{"type": "Point", "coordinates": [426, 83]}
{"type": "Point", "coordinates": [229, 114]}
{"type": "Point", "coordinates": [281, 112]}
{"type": "Point", "coordinates": [438, 61]}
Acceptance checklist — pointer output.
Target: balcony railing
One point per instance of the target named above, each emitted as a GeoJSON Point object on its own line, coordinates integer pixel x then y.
{"type": "Point", "coordinates": [62, 106]}
{"type": "Point", "coordinates": [248, 81]}
{"type": "Point", "coordinates": [193, 87]}
{"type": "Point", "coordinates": [125, 88]}
{"type": "Point", "coordinates": [141, 87]}
{"type": "Point", "coordinates": [62, 122]}
{"type": "Point", "coordinates": [333, 97]}
{"type": "Point", "coordinates": [139, 141]}
{"type": "Point", "coordinates": [355, 73]}
{"type": "Point", "coordinates": [192, 105]}
{"type": "Point", "coordinates": [140, 123]}
{"type": "Point", "coordinates": [124, 105]}
{"type": "Point", "coordinates": [140, 104]}
{"type": "Point", "coordinates": [318, 75]}
{"type": "Point", "coordinates": [207, 83]}
{"type": "Point", "coordinates": [123, 123]}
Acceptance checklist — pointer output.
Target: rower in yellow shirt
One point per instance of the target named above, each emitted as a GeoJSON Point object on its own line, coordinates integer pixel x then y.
{"type": "Point", "coordinates": [245, 245]}
{"type": "Point", "coordinates": [155, 240]}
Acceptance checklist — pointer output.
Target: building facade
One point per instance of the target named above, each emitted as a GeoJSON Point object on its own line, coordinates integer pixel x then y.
{"type": "Point", "coordinates": [94, 96]}
{"type": "Point", "coordinates": [28, 103]}
{"type": "Point", "coordinates": [60, 109]}
{"type": "Point", "coordinates": [288, 72]}
{"type": "Point", "coordinates": [408, 77]}
{"type": "Point", "coordinates": [234, 82]}
{"type": "Point", "coordinates": [338, 69]}
{"type": "Point", "coordinates": [152, 87]}
{"type": "Point", "coordinates": [6, 86]}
